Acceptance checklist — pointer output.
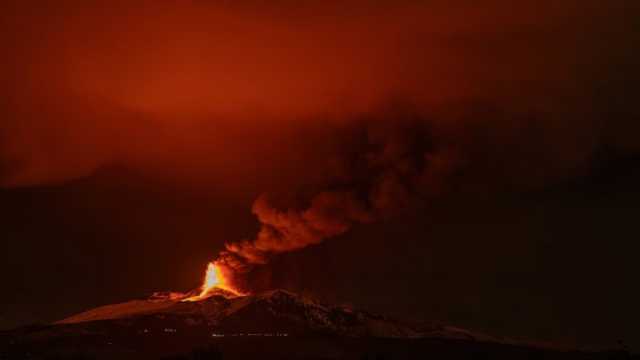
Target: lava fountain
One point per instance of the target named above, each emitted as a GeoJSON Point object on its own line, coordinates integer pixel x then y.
{"type": "Point", "coordinates": [213, 279]}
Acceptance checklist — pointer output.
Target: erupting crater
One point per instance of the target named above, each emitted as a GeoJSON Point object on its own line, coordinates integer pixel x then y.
{"type": "Point", "coordinates": [214, 279]}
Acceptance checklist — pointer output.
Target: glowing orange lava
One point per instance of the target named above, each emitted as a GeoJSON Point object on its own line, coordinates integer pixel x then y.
{"type": "Point", "coordinates": [214, 279]}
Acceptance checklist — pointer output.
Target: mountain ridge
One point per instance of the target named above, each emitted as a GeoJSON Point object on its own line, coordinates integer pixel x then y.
{"type": "Point", "coordinates": [271, 324]}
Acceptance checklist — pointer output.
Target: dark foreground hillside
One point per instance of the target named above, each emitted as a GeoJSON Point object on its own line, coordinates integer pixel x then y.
{"type": "Point", "coordinates": [273, 325]}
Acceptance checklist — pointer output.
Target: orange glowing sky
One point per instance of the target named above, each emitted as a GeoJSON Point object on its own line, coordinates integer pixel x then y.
{"type": "Point", "coordinates": [202, 89]}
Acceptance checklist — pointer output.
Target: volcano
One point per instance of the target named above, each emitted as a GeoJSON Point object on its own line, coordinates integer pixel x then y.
{"type": "Point", "coordinates": [274, 324]}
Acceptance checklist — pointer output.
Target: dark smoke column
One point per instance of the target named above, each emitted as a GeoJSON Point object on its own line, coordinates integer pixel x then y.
{"type": "Point", "coordinates": [388, 166]}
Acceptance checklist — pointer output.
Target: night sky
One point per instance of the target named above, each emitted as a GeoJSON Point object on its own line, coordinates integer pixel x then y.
{"type": "Point", "coordinates": [476, 165]}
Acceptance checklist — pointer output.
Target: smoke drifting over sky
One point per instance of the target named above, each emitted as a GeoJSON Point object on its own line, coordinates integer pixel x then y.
{"type": "Point", "coordinates": [381, 170]}
{"type": "Point", "coordinates": [202, 89]}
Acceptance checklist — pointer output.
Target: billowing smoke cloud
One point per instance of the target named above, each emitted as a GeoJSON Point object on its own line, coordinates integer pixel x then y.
{"type": "Point", "coordinates": [399, 157]}
{"type": "Point", "coordinates": [385, 166]}
{"type": "Point", "coordinates": [293, 95]}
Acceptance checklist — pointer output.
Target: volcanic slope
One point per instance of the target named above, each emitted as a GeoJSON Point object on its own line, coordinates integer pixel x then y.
{"type": "Point", "coordinates": [275, 324]}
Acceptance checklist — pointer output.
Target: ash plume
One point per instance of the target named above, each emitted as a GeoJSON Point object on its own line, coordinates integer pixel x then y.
{"type": "Point", "coordinates": [383, 166]}
{"type": "Point", "coordinates": [402, 156]}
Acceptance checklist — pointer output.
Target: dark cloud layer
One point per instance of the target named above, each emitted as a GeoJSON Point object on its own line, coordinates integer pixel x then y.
{"type": "Point", "coordinates": [203, 88]}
